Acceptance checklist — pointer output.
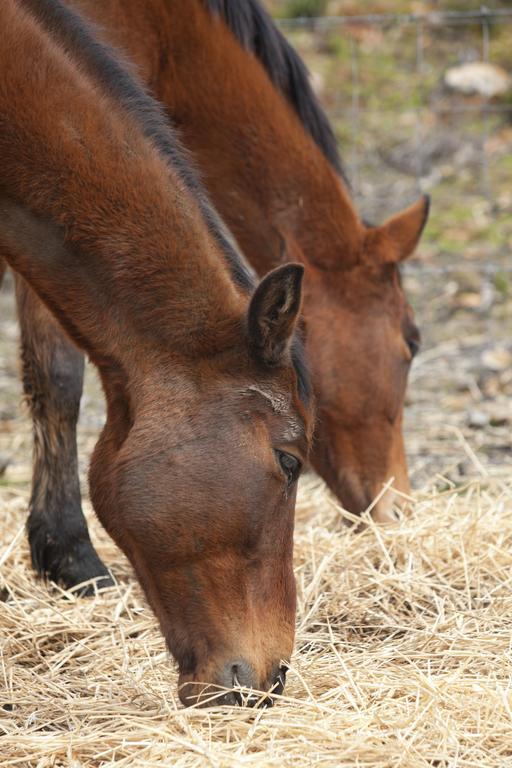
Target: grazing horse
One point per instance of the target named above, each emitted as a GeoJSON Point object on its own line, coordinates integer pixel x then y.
{"type": "Point", "coordinates": [208, 409]}
{"type": "Point", "coordinates": [242, 100]}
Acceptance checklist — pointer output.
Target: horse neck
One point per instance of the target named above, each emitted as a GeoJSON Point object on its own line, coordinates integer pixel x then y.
{"type": "Point", "coordinates": [266, 175]}
{"type": "Point", "coordinates": [111, 238]}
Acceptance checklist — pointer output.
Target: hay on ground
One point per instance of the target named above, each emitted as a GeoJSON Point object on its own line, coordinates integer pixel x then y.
{"type": "Point", "coordinates": [403, 653]}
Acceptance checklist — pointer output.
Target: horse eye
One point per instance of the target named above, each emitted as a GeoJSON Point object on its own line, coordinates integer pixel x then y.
{"type": "Point", "coordinates": [413, 339]}
{"type": "Point", "coordinates": [414, 346]}
{"type": "Point", "coordinates": [290, 466]}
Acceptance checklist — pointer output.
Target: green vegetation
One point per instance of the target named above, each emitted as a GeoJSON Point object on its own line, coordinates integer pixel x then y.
{"type": "Point", "coordinates": [294, 8]}
{"type": "Point", "coordinates": [307, 8]}
{"type": "Point", "coordinates": [394, 118]}
{"type": "Point", "coordinates": [502, 283]}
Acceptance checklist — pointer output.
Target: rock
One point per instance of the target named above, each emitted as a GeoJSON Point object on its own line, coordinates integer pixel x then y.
{"type": "Point", "coordinates": [467, 300]}
{"type": "Point", "coordinates": [469, 280]}
{"type": "Point", "coordinates": [317, 81]}
{"type": "Point", "coordinates": [478, 77]}
{"type": "Point", "coordinates": [497, 359]}
{"type": "Point", "coordinates": [417, 158]}
{"type": "Point", "coordinates": [478, 419]}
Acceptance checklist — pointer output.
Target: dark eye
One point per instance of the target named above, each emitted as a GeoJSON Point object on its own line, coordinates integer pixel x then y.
{"type": "Point", "coordinates": [414, 345]}
{"type": "Point", "coordinates": [290, 466]}
{"type": "Point", "coordinates": [413, 340]}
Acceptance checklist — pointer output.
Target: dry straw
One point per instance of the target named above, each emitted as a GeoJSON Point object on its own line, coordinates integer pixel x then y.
{"type": "Point", "coordinates": [403, 654]}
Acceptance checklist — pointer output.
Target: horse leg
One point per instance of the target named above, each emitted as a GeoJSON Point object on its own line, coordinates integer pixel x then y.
{"type": "Point", "coordinates": [53, 371]}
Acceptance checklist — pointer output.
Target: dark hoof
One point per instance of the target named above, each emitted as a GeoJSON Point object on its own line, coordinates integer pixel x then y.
{"type": "Point", "coordinates": [75, 570]}
{"type": "Point", "coordinates": [70, 563]}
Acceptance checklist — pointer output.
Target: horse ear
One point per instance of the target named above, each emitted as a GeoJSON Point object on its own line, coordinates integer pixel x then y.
{"type": "Point", "coordinates": [398, 236]}
{"type": "Point", "coordinates": [273, 313]}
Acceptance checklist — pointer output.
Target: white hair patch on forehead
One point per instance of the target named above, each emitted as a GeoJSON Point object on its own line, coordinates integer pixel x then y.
{"type": "Point", "coordinates": [280, 403]}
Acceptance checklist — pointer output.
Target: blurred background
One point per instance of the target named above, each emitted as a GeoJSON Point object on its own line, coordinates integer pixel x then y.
{"type": "Point", "coordinates": [420, 97]}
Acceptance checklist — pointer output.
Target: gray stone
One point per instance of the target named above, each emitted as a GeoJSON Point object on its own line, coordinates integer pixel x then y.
{"type": "Point", "coordinates": [478, 77]}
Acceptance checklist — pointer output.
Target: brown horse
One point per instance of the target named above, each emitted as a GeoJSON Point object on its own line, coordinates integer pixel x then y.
{"type": "Point", "coordinates": [208, 416]}
{"type": "Point", "coordinates": [242, 100]}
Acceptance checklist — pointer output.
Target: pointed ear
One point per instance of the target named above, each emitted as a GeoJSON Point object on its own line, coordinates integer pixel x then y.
{"type": "Point", "coordinates": [273, 313]}
{"type": "Point", "coordinates": [399, 235]}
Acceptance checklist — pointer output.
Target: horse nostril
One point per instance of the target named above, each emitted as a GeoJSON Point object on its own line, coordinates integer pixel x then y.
{"type": "Point", "coordinates": [242, 675]}
{"type": "Point", "coordinates": [243, 678]}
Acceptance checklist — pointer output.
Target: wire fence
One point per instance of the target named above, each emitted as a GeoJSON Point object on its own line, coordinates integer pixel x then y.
{"type": "Point", "coordinates": [483, 15]}
{"type": "Point", "coordinates": [384, 167]}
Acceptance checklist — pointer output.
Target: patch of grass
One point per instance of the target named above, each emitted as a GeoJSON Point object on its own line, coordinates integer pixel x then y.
{"type": "Point", "coordinates": [336, 45]}
{"type": "Point", "coordinates": [502, 283]}
{"type": "Point", "coordinates": [300, 8]}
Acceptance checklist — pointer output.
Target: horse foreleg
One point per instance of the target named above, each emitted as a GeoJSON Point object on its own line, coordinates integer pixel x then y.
{"type": "Point", "coordinates": [53, 371]}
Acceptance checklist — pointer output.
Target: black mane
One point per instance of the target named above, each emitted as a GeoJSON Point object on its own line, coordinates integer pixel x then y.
{"type": "Point", "coordinates": [254, 28]}
{"type": "Point", "coordinates": [107, 66]}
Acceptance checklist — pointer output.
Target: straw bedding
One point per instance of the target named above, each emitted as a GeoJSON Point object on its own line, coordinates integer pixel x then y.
{"type": "Point", "coordinates": [403, 653]}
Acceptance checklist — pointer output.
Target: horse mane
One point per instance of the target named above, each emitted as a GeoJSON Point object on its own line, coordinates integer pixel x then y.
{"type": "Point", "coordinates": [117, 76]}
{"type": "Point", "coordinates": [255, 30]}
{"type": "Point", "coordinates": [108, 67]}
